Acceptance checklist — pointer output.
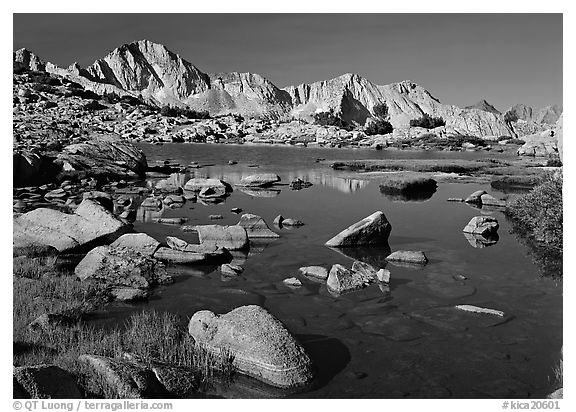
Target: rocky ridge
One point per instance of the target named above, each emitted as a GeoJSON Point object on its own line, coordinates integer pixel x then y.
{"type": "Point", "coordinates": [151, 71]}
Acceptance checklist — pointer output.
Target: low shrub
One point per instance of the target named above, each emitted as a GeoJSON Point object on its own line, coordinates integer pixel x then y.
{"type": "Point", "coordinates": [540, 211]}
{"type": "Point", "coordinates": [329, 119]}
{"type": "Point", "coordinates": [380, 110]}
{"type": "Point", "coordinates": [427, 122]}
{"type": "Point", "coordinates": [173, 111]}
{"type": "Point", "coordinates": [43, 87]}
{"type": "Point", "coordinates": [554, 162]}
{"type": "Point", "coordinates": [378, 126]}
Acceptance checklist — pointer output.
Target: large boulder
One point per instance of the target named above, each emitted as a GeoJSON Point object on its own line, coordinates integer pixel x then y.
{"type": "Point", "coordinates": [259, 180]}
{"type": "Point", "coordinates": [342, 280]}
{"type": "Point", "coordinates": [539, 144]}
{"type": "Point", "coordinates": [372, 230]}
{"type": "Point", "coordinates": [45, 382]}
{"type": "Point", "coordinates": [140, 242]}
{"type": "Point", "coordinates": [256, 227]}
{"type": "Point", "coordinates": [90, 224]}
{"type": "Point", "coordinates": [104, 155]}
{"type": "Point", "coordinates": [260, 344]}
{"type": "Point", "coordinates": [229, 237]}
{"type": "Point", "coordinates": [121, 268]}
{"type": "Point", "coordinates": [482, 225]}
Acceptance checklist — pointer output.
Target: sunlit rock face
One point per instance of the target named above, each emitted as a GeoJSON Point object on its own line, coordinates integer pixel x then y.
{"type": "Point", "coordinates": [149, 70]}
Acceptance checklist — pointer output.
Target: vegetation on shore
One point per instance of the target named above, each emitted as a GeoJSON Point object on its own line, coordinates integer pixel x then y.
{"type": "Point", "coordinates": [538, 216]}
{"type": "Point", "coordinates": [50, 310]}
{"type": "Point", "coordinates": [427, 122]}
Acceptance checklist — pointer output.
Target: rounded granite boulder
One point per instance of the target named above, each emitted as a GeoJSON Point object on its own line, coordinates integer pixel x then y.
{"type": "Point", "coordinates": [260, 344]}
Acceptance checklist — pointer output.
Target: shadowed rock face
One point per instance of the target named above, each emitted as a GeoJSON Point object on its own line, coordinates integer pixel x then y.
{"type": "Point", "coordinates": [259, 343]}
{"type": "Point", "coordinates": [44, 382]}
{"type": "Point", "coordinates": [104, 154]}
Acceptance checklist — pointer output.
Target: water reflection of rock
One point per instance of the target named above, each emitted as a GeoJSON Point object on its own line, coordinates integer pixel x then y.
{"type": "Point", "coordinates": [144, 214]}
{"type": "Point", "coordinates": [255, 192]}
{"type": "Point", "coordinates": [479, 241]}
{"type": "Point", "coordinates": [374, 255]}
{"type": "Point", "coordinates": [419, 195]}
{"type": "Point", "coordinates": [321, 177]}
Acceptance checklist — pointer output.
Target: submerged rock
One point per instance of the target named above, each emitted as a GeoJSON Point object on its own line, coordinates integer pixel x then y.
{"type": "Point", "coordinates": [229, 237]}
{"type": "Point", "coordinates": [482, 225]}
{"type": "Point", "coordinates": [90, 223]}
{"type": "Point", "coordinates": [259, 343]}
{"type": "Point", "coordinates": [416, 257]}
{"type": "Point", "coordinates": [256, 227]}
{"type": "Point", "coordinates": [372, 230]}
{"type": "Point", "coordinates": [44, 382]}
{"type": "Point", "coordinates": [259, 180]}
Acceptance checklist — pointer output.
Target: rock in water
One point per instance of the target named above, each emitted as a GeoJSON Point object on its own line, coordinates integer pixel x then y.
{"type": "Point", "coordinates": [488, 200]}
{"type": "Point", "coordinates": [231, 270]}
{"type": "Point", "coordinates": [203, 255]}
{"type": "Point", "coordinates": [229, 237]}
{"type": "Point", "coordinates": [90, 223]}
{"type": "Point", "coordinates": [292, 282]}
{"type": "Point", "coordinates": [197, 184]}
{"type": "Point", "coordinates": [260, 345]}
{"type": "Point", "coordinates": [259, 180]}
{"type": "Point", "coordinates": [317, 272]}
{"type": "Point", "coordinates": [104, 155]}
{"type": "Point", "coordinates": [140, 242]}
{"type": "Point", "coordinates": [45, 382]}
{"type": "Point", "coordinates": [482, 225]}
{"type": "Point", "coordinates": [256, 227]}
{"type": "Point", "coordinates": [475, 197]}
{"type": "Point", "coordinates": [477, 309]}
{"type": "Point", "coordinates": [372, 230]}
{"type": "Point", "coordinates": [342, 280]}
{"type": "Point", "coordinates": [408, 256]}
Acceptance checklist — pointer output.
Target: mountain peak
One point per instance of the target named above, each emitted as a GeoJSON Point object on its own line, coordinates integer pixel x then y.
{"type": "Point", "coordinates": [484, 106]}
{"type": "Point", "coordinates": [24, 58]}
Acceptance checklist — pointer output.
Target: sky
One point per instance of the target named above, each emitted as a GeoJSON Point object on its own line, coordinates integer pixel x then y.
{"type": "Point", "coordinates": [460, 58]}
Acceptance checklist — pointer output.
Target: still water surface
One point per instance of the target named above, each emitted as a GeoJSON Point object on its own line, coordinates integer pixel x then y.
{"type": "Point", "coordinates": [374, 343]}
